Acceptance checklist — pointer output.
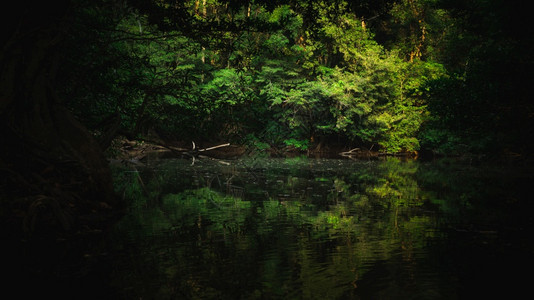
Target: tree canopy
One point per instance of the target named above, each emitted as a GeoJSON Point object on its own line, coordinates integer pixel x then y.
{"type": "Point", "coordinates": [394, 75]}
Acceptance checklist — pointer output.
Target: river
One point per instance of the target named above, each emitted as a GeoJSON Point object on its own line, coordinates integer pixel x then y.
{"type": "Point", "coordinates": [307, 228]}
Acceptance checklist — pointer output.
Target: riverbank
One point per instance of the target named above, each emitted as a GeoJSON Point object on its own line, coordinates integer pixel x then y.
{"type": "Point", "coordinates": [123, 149]}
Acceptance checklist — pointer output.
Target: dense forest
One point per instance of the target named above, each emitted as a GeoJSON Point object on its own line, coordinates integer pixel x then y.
{"type": "Point", "coordinates": [392, 76]}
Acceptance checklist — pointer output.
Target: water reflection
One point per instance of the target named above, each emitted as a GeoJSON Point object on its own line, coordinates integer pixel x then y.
{"type": "Point", "coordinates": [306, 228]}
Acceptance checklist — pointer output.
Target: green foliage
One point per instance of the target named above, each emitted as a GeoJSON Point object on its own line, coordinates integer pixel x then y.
{"type": "Point", "coordinates": [298, 144]}
{"type": "Point", "coordinates": [418, 27]}
{"type": "Point", "coordinates": [299, 74]}
{"type": "Point", "coordinates": [381, 104]}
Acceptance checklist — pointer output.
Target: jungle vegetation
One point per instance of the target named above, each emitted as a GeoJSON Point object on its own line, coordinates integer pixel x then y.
{"type": "Point", "coordinates": [391, 76]}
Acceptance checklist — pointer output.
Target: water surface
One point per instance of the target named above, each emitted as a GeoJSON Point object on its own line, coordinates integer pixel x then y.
{"type": "Point", "coordinates": [304, 228]}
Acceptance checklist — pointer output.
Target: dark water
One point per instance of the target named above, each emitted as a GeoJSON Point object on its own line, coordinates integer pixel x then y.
{"type": "Point", "coordinates": [304, 228]}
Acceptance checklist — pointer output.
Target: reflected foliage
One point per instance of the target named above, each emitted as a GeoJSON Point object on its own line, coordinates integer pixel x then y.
{"type": "Point", "coordinates": [280, 228]}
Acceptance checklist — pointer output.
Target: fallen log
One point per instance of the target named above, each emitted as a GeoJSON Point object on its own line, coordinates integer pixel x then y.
{"type": "Point", "coordinates": [214, 147]}
{"type": "Point", "coordinates": [350, 152]}
{"type": "Point", "coordinates": [138, 151]}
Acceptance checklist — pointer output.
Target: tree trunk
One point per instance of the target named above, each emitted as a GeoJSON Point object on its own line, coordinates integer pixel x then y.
{"type": "Point", "coordinates": [46, 152]}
